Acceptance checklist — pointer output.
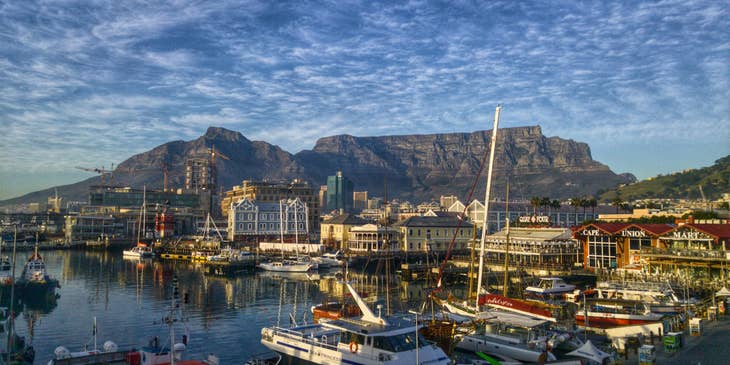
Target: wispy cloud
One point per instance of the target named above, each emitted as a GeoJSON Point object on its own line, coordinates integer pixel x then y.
{"type": "Point", "coordinates": [125, 76]}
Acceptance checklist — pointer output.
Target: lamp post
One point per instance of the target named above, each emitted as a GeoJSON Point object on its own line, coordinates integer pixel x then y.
{"type": "Point", "coordinates": [417, 348]}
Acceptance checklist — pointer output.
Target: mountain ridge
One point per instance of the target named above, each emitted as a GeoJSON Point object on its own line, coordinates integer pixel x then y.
{"type": "Point", "coordinates": [416, 166]}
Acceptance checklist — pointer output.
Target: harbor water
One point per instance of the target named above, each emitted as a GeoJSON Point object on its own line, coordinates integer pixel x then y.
{"type": "Point", "coordinates": [129, 298]}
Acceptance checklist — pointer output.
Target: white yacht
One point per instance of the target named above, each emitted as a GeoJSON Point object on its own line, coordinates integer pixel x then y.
{"type": "Point", "coordinates": [368, 340]}
{"type": "Point", "coordinates": [286, 266]}
{"type": "Point", "coordinates": [330, 259]}
{"type": "Point", "coordinates": [140, 251]}
{"type": "Point", "coordinates": [510, 334]}
{"type": "Point", "coordinates": [549, 287]}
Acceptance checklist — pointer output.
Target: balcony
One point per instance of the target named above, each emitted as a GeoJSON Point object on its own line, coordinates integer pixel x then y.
{"type": "Point", "coordinates": [688, 254]}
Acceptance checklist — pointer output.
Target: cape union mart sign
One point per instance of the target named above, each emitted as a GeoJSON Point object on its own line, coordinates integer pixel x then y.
{"type": "Point", "coordinates": [541, 219]}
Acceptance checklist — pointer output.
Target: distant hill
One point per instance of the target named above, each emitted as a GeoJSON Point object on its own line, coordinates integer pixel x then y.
{"type": "Point", "coordinates": [415, 167]}
{"type": "Point", "coordinates": [714, 181]}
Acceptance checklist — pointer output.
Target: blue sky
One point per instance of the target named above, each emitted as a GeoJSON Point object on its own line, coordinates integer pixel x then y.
{"type": "Point", "coordinates": [90, 83]}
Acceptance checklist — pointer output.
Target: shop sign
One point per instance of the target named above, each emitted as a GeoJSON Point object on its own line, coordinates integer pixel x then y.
{"type": "Point", "coordinates": [535, 219]}
{"type": "Point", "coordinates": [633, 233]}
{"type": "Point", "coordinates": [687, 235]}
{"type": "Point", "coordinates": [590, 232]}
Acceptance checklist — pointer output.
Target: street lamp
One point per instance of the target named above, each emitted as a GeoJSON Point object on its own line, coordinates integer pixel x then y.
{"type": "Point", "coordinates": [417, 348]}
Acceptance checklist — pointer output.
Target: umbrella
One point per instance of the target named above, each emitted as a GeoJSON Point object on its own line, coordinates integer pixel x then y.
{"type": "Point", "coordinates": [589, 351]}
{"type": "Point", "coordinates": [724, 292]}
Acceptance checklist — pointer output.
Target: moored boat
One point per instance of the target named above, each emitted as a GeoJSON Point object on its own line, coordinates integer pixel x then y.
{"type": "Point", "coordinates": [549, 288]}
{"type": "Point", "coordinates": [616, 313]}
{"type": "Point", "coordinates": [368, 340]}
{"type": "Point", "coordinates": [34, 277]}
{"type": "Point", "coordinates": [141, 251]}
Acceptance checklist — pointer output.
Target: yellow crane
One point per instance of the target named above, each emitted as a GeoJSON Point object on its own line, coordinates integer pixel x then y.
{"type": "Point", "coordinates": [101, 171]}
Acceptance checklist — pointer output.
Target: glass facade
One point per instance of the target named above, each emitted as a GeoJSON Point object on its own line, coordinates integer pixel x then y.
{"type": "Point", "coordinates": [601, 251]}
{"type": "Point", "coordinates": [340, 192]}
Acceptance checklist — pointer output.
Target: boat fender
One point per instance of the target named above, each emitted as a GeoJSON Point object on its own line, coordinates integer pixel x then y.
{"type": "Point", "coordinates": [354, 347]}
{"type": "Point", "coordinates": [179, 347]}
{"type": "Point", "coordinates": [110, 346]}
{"type": "Point", "coordinates": [61, 353]}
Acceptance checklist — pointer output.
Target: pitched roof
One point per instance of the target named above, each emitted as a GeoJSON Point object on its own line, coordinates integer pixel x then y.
{"type": "Point", "coordinates": [717, 230]}
{"type": "Point", "coordinates": [610, 228]}
{"type": "Point", "coordinates": [450, 221]}
{"type": "Point", "coordinates": [654, 228]}
{"type": "Point", "coordinates": [348, 219]}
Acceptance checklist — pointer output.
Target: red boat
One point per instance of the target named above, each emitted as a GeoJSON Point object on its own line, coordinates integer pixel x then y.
{"type": "Point", "coordinates": [618, 313]}
{"type": "Point", "coordinates": [517, 305]}
{"type": "Point", "coordinates": [334, 310]}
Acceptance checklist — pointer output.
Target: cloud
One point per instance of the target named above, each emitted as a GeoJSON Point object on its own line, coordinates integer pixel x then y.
{"type": "Point", "coordinates": [124, 77]}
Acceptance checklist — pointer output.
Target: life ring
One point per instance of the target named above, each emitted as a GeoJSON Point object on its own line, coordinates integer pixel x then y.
{"type": "Point", "coordinates": [354, 347]}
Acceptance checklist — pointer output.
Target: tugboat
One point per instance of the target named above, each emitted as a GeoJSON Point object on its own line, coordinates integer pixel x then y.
{"type": "Point", "coordinates": [35, 279]}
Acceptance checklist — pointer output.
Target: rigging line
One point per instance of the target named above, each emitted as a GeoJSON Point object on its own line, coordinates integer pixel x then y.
{"type": "Point", "coordinates": [482, 163]}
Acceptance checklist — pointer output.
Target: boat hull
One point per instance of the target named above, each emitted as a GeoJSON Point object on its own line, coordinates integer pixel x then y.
{"type": "Point", "coordinates": [597, 319]}
{"type": "Point", "coordinates": [515, 351]}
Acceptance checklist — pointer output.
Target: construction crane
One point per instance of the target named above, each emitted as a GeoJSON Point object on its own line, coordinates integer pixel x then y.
{"type": "Point", "coordinates": [164, 166]}
{"type": "Point", "coordinates": [102, 172]}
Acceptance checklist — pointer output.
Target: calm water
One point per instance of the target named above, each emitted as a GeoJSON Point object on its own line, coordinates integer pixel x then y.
{"type": "Point", "coordinates": [129, 298]}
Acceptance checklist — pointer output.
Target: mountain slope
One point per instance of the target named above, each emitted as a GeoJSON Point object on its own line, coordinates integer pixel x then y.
{"type": "Point", "coordinates": [416, 167]}
{"type": "Point", "coordinates": [714, 181]}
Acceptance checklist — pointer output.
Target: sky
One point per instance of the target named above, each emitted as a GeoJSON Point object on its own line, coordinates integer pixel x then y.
{"type": "Point", "coordinates": [91, 83]}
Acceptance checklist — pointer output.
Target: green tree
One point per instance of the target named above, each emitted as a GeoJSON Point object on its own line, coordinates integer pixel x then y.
{"type": "Point", "coordinates": [535, 202]}
{"type": "Point", "coordinates": [616, 202]}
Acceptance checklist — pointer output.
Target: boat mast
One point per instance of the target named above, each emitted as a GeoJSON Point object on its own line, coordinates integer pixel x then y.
{"type": "Point", "coordinates": [486, 202]}
{"type": "Point", "coordinates": [506, 247]}
{"type": "Point", "coordinates": [12, 295]}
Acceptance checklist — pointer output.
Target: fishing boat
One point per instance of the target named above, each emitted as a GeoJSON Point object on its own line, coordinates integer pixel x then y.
{"type": "Point", "coordinates": [549, 288]}
{"type": "Point", "coordinates": [141, 251]}
{"type": "Point", "coordinates": [611, 313]}
{"type": "Point", "coordinates": [368, 340]}
{"type": "Point", "coordinates": [34, 277]}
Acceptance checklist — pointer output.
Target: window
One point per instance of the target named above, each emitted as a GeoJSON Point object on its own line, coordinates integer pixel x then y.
{"type": "Point", "coordinates": [249, 226]}
{"type": "Point", "coordinates": [601, 251]}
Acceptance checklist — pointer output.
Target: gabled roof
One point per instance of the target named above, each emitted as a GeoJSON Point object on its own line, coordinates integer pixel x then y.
{"type": "Point", "coordinates": [348, 219]}
{"type": "Point", "coordinates": [717, 230]}
{"type": "Point", "coordinates": [450, 221]}
{"type": "Point", "coordinates": [610, 228]}
{"type": "Point", "coordinates": [654, 228]}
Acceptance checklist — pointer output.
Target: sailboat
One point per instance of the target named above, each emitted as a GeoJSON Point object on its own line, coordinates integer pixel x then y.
{"type": "Point", "coordinates": [141, 250]}
{"type": "Point", "coordinates": [284, 265]}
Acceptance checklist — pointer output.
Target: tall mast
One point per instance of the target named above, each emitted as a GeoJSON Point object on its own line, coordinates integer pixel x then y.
{"type": "Point", "coordinates": [486, 202]}
{"type": "Point", "coordinates": [506, 247]}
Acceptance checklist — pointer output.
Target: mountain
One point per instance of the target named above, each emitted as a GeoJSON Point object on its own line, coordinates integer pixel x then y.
{"type": "Point", "coordinates": [713, 180]}
{"type": "Point", "coordinates": [415, 167]}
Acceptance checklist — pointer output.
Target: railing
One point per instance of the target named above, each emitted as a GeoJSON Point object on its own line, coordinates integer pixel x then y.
{"type": "Point", "coordinates": [708, 254]}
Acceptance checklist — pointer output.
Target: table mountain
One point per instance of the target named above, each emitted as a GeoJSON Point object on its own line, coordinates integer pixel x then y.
{"type": "Point", "coordinates": [415, 167]}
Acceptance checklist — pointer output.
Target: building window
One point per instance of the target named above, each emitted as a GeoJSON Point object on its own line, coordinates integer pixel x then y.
{"type": "Point", "coordinates": [249, 226]}
{"type": "Point", "coordinates": [601, 252]}
{"type": "Point", "coordinates": [410, 232]}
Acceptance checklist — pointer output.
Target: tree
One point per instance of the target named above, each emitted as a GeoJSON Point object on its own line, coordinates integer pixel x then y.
{"type": "Point", "coordinates": [535, 202]}
{"type": "Point", "coordinates": [617, 202]}
{"type": "Point", "coordinates": [545, 202]}
{"type": "Point", "coordinates": [593, 203]}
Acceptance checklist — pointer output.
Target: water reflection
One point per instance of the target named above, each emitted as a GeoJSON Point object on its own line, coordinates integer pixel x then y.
{"type": "Point", "coordinates": [224, 314]}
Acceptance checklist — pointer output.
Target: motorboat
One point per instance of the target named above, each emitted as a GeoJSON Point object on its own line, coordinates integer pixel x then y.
{"type": "Point", "coordinates": [549, 287]}
{"type": "Point", "coordinates": [231, 255]}
{"type": "Point", "coordinates": [512, 335]}
{"type": "Point", "coordinates": [367, 340]}
{"type": "Point", "coordinates": [330, 259]}
{"type": "Point", "coordinates": [660, 296]}
{"type": "Point", "coordinates": [285, 266]}
{"type": "Point", "coordinates": [141, 251]}
{"type": "Point", "coordinates": [611, 313]}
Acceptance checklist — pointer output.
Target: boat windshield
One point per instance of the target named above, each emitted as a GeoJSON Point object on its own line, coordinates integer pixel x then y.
{"type": "Point", "coordinates": [392, 343]}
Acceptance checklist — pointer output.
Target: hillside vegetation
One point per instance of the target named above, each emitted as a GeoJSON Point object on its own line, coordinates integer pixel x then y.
{"type": "Point", "coordinates": [714, 181]}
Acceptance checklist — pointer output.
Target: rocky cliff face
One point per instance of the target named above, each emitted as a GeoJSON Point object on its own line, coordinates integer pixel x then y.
{"type": "Point", "coordinates": [424, 167]}
{"type": "Point", "coordinates": [416, 167]}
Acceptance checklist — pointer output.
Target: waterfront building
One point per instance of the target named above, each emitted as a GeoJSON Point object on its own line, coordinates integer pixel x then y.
{"type": "Point", "coordinates": [691, 251]}
{"type": "Point", "coordinates": [273, 192]}
{"type": "Point", "coordinates": [336, 231]}
{"type": "Point", "coordinates": [430, 206]}
{"type": "Point", "coordinates": [323, 196]}
{"type": "Point", "coordinates": [433, 233]}
{"type": "Point", "coordinates": [339, 193]}
{"type": "Point", "coordinates": [251, 221]}
{"type": "Point", "coordinates": [375, 203]}
{"type": "Point", "coordinates": [124, 197]}
{"type": "Point", "coordinates": [374, 238]}
{"type": "Point", "coordinates": [80, 228]}
{"type": "Point", "coordinates": [539, 247]}
{"type": "Point", "coordinates": [617, 245]}
{"type": "Point", "coordinates": [639, 213]}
